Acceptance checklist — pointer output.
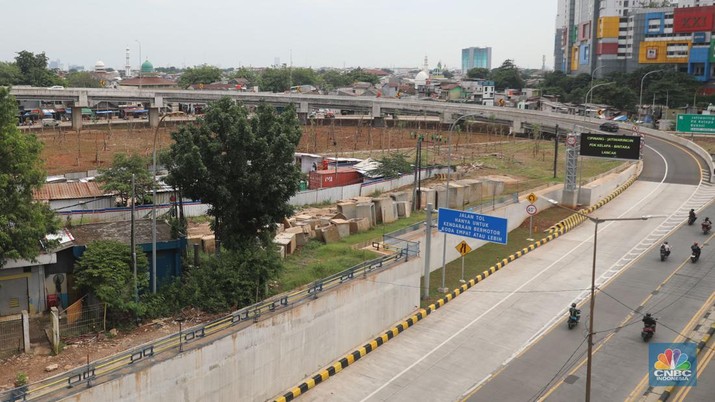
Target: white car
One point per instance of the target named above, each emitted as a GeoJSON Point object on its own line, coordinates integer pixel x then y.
{"type": "Point", "coordinates": [50, 123]}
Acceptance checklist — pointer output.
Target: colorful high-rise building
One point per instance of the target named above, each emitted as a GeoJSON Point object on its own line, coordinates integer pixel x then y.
{"type": "Point", "coordinates": [602, 36]}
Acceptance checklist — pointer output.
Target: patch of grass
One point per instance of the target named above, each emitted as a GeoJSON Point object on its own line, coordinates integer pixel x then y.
{"type": "Point", "coordinates": [481, 259]}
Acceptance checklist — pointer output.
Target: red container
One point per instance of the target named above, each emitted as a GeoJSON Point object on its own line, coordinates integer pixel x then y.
{"type": "Point", "coordinates": [343, 176]}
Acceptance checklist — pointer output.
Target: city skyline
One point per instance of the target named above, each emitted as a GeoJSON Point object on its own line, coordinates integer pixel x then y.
{"type": "Point", "coordinates": [302, 33]}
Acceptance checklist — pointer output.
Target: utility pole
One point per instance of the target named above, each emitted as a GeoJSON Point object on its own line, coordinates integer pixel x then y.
{"type": "Point", "coordinates": [134, 246]}
{"type": "Point", "coordinates": [556, 148]}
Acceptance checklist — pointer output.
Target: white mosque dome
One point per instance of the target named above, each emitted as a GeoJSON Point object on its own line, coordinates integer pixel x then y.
{"type": "Point", "coordinates": [99, 66]}
{"type": "Point", "coordinates": [421, 78]}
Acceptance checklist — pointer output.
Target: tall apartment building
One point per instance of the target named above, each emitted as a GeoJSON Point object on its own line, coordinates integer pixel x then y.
{"type": "Point", "coordinates": [625, 36]}
{"type": "Point", "coordinates": [476, 57]}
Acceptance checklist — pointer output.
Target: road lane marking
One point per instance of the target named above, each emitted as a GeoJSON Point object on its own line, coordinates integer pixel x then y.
{"type": "Point", "coordinates": [683, 392]}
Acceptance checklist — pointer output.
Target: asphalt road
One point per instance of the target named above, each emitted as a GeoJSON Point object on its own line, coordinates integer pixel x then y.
{"type": "Point", "coordinates": [463, 345]}
{"type": "Point", "coordinates": [554, 368]}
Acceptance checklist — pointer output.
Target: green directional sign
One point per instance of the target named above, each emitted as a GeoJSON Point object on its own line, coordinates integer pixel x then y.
{"type": "Point", "coordinates": [695, 123]}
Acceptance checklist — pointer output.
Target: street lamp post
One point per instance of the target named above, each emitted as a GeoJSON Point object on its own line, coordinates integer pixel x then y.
{"type": "Point", "coordinates": [153, 207]}
{"type": "Point", "coordinates": [449, 171]}
{"type": "Point", "coordinates": [593, 73]}
{"type": "Point", "coordinates": [140, 63]}
{"type": "Point", "coordinates": [585, 99]}
{"type": "Point", "coordinates": [592, 304]}
{"type": "Point", "coordinates": [640, 97]}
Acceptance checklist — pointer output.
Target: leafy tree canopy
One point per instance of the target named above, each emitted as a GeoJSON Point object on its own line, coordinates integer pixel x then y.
{"type": "Point", "coordinates": [23, 222]}
{"type": "Point", "coordinates": [200, 75]}
{"type": "Point", "coordinates": [243, 168]}
{"type": "Point", "coordinates": [478, 73]}
{"type": "Point", "coordinates": [33, 70]}
{"type": "Point", "coordinates": [507, 76]}
{"type": "Point", "coordinates": [245, 73]}
{"type": "Point", "coordinates": [394, 165]}
{"type": "Point", "coordinates": [359, 75]}
{"type": "Point", "coordinates": [106, 271]}
{"type": "Point", "coordinates": [82, 79]}
{"type": "Point", "coordinates": [118, 178]}
{"type": "Point", "coordinates": [9, 74]}
{"type": "Point", "coordinates": [275, 79]}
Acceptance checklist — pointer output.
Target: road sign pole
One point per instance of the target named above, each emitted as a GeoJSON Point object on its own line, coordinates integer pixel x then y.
{"type": "Point", "coordinates": [531, 228]}
{"type": "Point", "coordinates": [428, 249]}
{"type": "Point", "coordinates": [462, 280]}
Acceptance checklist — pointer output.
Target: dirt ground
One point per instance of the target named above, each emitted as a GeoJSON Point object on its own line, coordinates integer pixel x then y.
{"type": "Point", "coordinates": [68, 151]}
{"type": "Point", "coordinates": [78, 350]}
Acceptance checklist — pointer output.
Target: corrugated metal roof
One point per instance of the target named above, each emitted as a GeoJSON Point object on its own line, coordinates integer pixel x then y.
{"type": "Point", "coordinates": [68, 191]}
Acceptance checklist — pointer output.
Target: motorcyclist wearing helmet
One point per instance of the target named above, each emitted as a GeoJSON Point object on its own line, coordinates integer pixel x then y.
{"type": "Point", "coordinates": [691, 215]}
{"type": "Point", "coordinates": [696, 249]}
{"type": "Point", "coordinates": [707, 223]}
{"type": "Point", "coordinates": [665, 247]}
{"type": "Point", "coordinates": [649, 321]}
{"type": "Point", "coordinates": [574, 312]}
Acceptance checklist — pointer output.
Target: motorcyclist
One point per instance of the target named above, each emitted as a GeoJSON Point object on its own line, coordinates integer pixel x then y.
{"type": "Point", "coordinates": [696, 249]}
{"type": "Point", "coordinates": [665, 247]}
{"type": "Point", "coordinates": [691, 217]}
{"type": "Point", "coordinates": [649, 321]}
{"type": "Point", "coordinates": [707, 224]}
{"type": "Point", "coordinates": [574, 312]}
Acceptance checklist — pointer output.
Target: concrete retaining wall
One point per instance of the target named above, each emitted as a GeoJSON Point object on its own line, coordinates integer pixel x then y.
{"type": "Point", "coordinates": [263, 360]}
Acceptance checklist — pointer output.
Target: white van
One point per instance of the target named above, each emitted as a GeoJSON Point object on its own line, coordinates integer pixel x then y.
{"type": "Point", "coordinates": [50, 122]}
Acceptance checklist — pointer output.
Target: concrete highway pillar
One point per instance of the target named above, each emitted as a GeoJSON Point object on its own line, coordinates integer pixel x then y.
{"type": "Point", "coordinates": [516, 125]}
{"type": "Point", "coordinates": [303, 117]}
{"type": "Point", "coordinates": [304, 107]}
{"type": "Point", "coordinates": [159, 101]}
{"type": "Point", "coordinates": [376, 110]}
{"type": "Point", "coordinates": [153, 116]}
{"type": "Point", "coordinates": [83, 99]}
{"type": "Point", "coordinates": [77, 118]}
{"type": "Point", "coordinates": [447, 118]}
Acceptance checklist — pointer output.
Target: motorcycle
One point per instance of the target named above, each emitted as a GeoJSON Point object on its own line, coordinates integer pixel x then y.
{"type": "Point", "coordinates": [691, 219]}
{"type": "Point", "coordinates": [574, 318]}
{"type": "Point", "coordinates": [663, 253]}
{"type": "Point", "coordinates": [694, 257]}
{"type": "Point", "coordinates": [706, 227]}
{"type": "Point", "coordinates": [647, 333]}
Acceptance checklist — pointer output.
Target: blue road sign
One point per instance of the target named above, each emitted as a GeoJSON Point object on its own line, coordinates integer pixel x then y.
{"type": "Point", "coordinates": [469, 224]}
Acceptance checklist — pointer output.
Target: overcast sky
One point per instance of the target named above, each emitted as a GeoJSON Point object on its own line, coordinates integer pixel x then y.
{"type": "Point", "coordinates": [317, 33]}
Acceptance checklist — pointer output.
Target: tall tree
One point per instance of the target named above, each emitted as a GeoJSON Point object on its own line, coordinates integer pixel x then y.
{"type": "Point", "coordinates": [275, 79]}
{"type": "Point", "coordinates": [246, 73]}
{"type": "Point", "coordinates": [9, 74]}
{"type": "Point", "coordinates": [33, 70]}
{"type": "Point", "coordinates": [507, 76]}
{"type": "Point", "coordinates": [359, 75]}
{"type": "Point", "coordinates": [118, 178]}
{"type": "Point", "coordinates": [23, 222]}
{"type": "Point", "coordinates": [199, 75]}
{"type": "Point", "coordinates": [242, 167]}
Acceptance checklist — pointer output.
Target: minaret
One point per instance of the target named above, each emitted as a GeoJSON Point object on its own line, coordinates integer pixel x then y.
{"type": "Point", "coordinates": [127, 66]}
{"type": "Point", "coordinates": [543, 62]}
{"type": "Point", "coordinates": [426, 66]}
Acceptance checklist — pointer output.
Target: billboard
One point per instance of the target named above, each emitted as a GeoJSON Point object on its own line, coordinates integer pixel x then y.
{"type": "Point", "coordinates": [693, 19]}
{"type": "Point", "coordinates": [610, 146]}
{"type": "Point", "coordinates": [695, 123]}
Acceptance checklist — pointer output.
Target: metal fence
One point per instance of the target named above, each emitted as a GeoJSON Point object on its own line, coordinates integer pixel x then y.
{"type": "Point", "coordinates": [82, 318]}
{"type": "Point", "coordinates": [87, 374]}
{"type": "Point", "coordinates": [11, 335]}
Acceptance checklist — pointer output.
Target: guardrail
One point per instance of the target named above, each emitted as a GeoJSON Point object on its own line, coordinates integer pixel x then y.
{"type": "Point", "coordinates": [88, 374]}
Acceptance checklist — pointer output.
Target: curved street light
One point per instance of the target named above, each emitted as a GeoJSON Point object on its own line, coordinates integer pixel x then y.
{"type": "Point", "coordinates": [593, 73]}
{"type": "Point", "coordinates": [449, 171]}
{"type": "Point", "coordinates": [589, 91]}
{"type": "Point", "coordinates": [640, 97]}
{"type": "Point", "coordinates": [592, 304]}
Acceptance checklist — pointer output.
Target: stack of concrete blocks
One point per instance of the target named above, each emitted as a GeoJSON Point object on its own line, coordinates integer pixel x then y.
{"type": "Point", "coordinates": [404, 209]}
{"type": "Point", "coordinates": [386, 210]}
{"type": "Point", "coordinates": [472, 190]}
{"type": "Point", "coordinates": [343, 226]}
{"type": "Point", "coordinates": [302, 233]}
{"type": "Point", "coordinates": [358, 225]}
{"type": "Point", "coordinates": [328, 234]}
{"type": "Point", "coordinates": [427, 196]}
{"type": "Point", "coordinates": [366, 210]}
{"type": "Point", "coordinates": [348, 209]}
{"type": "Point", "coordinates": [456, 196]}
{"type": "Point", "coordinates": [286, 242]}
{"type": "Point", "coordinates": [492, 188]}
{"type": "Point", "coordinates": [441, 197]}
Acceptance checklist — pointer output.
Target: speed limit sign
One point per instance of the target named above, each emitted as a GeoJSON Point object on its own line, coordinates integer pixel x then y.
{"type": "Point", "coordinates": [531, 209]}
{"type": "Point", "coordinates": [571, 140]}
